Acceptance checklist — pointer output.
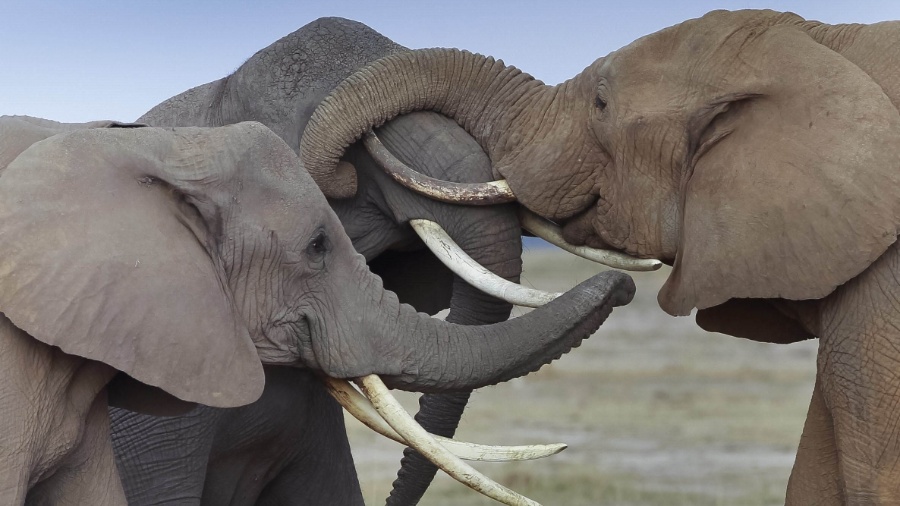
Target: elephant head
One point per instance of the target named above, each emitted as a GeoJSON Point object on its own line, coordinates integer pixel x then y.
{"type": "Point", "coordinates": [741, 147]}
{"type": "Point", "coordinates": [177, 256]}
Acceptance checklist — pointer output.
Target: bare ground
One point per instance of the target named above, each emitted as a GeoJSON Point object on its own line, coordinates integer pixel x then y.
{"type": "Point", "coordinates": [655, 412]}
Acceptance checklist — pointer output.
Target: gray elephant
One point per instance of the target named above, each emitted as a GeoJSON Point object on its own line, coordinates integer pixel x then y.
{"type": "Point", "coordinates": [280, 86]}
{"type": "Point", "coordinates": [755, 151]}
{"type": "Point", "coordinates": [176, 256]}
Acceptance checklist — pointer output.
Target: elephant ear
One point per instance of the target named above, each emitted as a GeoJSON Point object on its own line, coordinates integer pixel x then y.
{"type": "Point", "coordinates": [17, 133]}
{"type": "Point", "coordinates": [107, 254]}
{"type": "Point", "coordinates": [802, 194]}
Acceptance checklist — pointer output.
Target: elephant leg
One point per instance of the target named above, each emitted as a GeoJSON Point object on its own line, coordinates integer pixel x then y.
{"type": "Point", "coordinates": [88, 475]}
{"type": "Point", "coordinates": [54, 434]}
{"type": "Point", "coordinates": [859, 355]}
{"type": "Point", "coordinates": [438, 414]}
{"type": "Point", "coordinates": [289, 447]}
{"type": "Point", "coordinates": [816, 472]}
{"type": "Point", "coordinates": [324, 473]}
{"type": "Point", "coordinates": [162, 460]}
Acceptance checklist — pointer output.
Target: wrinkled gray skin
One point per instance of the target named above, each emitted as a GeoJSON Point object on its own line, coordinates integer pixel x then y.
{"type": "Point", "coordinates": [289, 447]}
{"type": "Point", "coordinates": [318, 56]}
{"type": "Point", "coordinates": [186, 258]}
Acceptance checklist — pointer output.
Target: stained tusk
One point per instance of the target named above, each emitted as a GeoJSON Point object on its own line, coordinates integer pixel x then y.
{"type": "Point", "coordinates": [551, 233]}
{"type": "Point", "coordinates": [361, 409]}
{"type": "Point", "coordinates": [399, 419]}
{"type": "Point", "coordinates": [448, 252]}
{"type": "Point", "coordinates": [481, 194]}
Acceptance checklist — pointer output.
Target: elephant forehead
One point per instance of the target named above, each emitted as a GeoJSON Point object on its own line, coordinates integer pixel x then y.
{"type": "Point", "coordinates": [269, 182]}
{"type": "Point", "coordinates": [683, 57]}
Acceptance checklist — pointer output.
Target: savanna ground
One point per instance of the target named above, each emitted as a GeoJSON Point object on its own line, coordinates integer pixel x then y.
{"type": "Point", "coordinates": [655, 412]}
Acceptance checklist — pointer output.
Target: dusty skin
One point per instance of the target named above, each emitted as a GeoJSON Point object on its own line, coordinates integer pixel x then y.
{"type": "Point", "coordinates": [655, 412]}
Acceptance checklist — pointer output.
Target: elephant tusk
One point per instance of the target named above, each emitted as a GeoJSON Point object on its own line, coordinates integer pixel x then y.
{"type": "Point", "coordinates": [399, 419]}
{"type": "Point", "coordinates": [551, 233]}
{"type": "Point", "coordinates": [448, 252]}
{"type": "Point", "coordinates": [481, 194]}
{"type": "Point", "coordinates": [361, 409]}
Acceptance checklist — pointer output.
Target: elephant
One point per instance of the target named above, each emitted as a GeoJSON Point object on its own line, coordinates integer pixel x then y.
{"type": "Point", "coordinates": [754, 151]}
{"type": "Point", "coordinates": [185, 259]}
{"type": "Point", "coordinates": [280, 86]}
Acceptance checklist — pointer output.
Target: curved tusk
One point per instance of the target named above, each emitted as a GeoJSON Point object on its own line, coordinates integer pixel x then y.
{"type": "Point", "coordinates": [480, 194]}
{"type": "Point", "coordinates": [362, 410]}
{"type": "Point", "coordinates": [448, 252]}
{"type": "Point", "coordinates": [399, 419]}
{"type": "Point", "coordinates": [551, 233]}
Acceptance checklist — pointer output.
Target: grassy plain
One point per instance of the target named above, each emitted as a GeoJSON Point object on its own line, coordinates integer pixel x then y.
{"type": "Point", "coordinates": [655, 412]}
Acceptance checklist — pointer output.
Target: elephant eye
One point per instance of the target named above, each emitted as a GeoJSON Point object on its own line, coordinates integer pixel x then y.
{"type": "Point", "coordinates": [317, 247]}
{"type": "Point", "coordinates": [600, 100]}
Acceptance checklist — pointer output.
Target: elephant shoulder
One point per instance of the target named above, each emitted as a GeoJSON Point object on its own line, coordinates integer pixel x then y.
{"type": "Point", "coordinates": [319, 55]}
{"type": "Point", "coordinates": [872, 48]}
{"type": "Point", "coordinates": [186, 109]}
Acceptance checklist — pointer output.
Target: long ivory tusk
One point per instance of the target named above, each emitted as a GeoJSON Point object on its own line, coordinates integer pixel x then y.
{"type": "Point", "coordinates": [482, 194]}
{"type": "Point", "coordinates": [361, 409]}
{"type": "Point", "coordinates": [394, 414]}
{"type": "Point", "coordinates": [551, 233]}
{"type": "Point", "coordinates": [448, 252]}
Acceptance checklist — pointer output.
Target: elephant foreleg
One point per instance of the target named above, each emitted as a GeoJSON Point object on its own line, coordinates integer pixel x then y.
{"type": "Point", "coordinates": [438, 414]}
{"type": "Point", "coordinates": [54, 432]}
{"type": "Point", "coordinates": [859, 373]}
{"type": "Point", "coordinates": [88, 475]}
{"type": "Point", "coordinates": [816, 473]}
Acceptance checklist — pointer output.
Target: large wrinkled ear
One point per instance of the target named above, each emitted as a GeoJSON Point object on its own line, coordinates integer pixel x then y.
{"type": "Point", "coordinates": [108, 253]}
{"type": "Point", "coordinates": [801, 195]}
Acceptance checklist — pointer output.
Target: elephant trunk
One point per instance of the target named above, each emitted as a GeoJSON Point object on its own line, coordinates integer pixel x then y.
{"type": "Point", "coordinates": [454, 357]}
{"type": "Point", "coordinates": [412, 351]}
{"type": "Point", "coordinates": [480, 93]}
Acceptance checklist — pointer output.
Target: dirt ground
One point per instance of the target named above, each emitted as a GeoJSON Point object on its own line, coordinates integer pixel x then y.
{"type": "Point", "coordinates": [655, 412]}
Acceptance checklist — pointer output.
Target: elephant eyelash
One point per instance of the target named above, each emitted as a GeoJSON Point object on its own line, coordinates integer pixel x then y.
{"type": "Point", "coordinates": [599, 103]}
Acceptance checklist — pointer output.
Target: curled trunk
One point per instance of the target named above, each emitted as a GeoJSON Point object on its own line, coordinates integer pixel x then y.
{"type": "Point", "coordinates": [476, 91]}
{"type": "Point", "coordinates": [537, 136]}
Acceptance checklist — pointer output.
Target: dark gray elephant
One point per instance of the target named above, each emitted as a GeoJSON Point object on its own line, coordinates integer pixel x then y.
{"type": "Point", "coordinates": [187, 258]}
{"type": "Point", "coordinates": [280, 86]}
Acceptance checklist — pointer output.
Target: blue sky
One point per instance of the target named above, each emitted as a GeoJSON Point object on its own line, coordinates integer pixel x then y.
{"type": "Point", "coordinates": [85, 60]}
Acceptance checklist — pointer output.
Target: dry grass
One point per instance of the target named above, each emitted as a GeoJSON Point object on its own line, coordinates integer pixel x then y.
{"type": "Point", "coordinates": [655, 412]}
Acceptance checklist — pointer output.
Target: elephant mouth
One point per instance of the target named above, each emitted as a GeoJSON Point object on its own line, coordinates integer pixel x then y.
{"type": "Point", "coordinates": [580, 230]}
{"type": "Point", "coordinates": [584, 231]}
{"type": "Point", "coordinates": [304, 337]}
{"type": "Point", "coordinates": [497, 192]}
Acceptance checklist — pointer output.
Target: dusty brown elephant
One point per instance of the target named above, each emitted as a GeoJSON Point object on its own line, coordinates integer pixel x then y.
{"type": "Point", "coordinates": [176, 256]}
{"type": "Point", "coordinates": [754, 151]}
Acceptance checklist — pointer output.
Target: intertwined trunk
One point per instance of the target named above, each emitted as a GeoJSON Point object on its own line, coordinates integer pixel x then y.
{"type": "Point", "coordinates": [538, 137]}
